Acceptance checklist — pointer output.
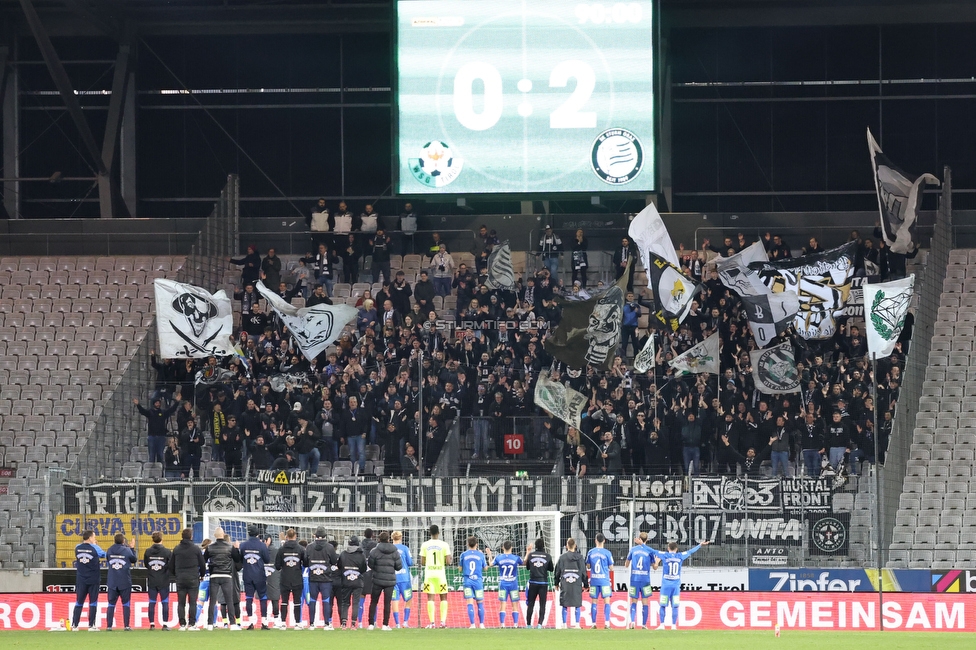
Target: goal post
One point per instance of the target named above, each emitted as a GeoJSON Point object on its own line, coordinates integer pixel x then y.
{"type": "Point", "coordinates": [491, 528]}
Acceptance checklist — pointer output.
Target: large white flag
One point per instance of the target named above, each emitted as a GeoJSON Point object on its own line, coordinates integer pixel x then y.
{"type": "Point", "coordinates": [192, 323]}
{"type": "Point", "coordinates": [735, 273]}
{"type": "Point", "coordinates": [648, 231]}
{"type": "Point", "coordinates": [703, 357]}
{"type": "Point", "coordinates": [563, 402]}
{"type": "Point", "coordinates": [314, 328]}
{"type": "Point", "coordinates": [899, 198]}
{"type": "Point", "coordinates": [885, 307]}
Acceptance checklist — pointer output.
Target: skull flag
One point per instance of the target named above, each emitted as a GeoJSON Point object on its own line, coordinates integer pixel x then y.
{"type": "Point", "coordinates": [590, 330]}
{"type": "Point", "coordinates": [191, 322]}
{"type": "Point", "coordinates": [313, 328]}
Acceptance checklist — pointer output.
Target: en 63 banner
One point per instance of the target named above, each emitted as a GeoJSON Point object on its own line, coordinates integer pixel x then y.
{"type": "Point", "coordinates": [138, 527]}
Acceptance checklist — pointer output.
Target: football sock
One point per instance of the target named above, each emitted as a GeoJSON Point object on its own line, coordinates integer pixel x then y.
{"type": "Point", "coordinates": [662, 616]}
{"type": "Point", "coordinates": [674, 614]}
{"type": "Point", "coordinates": [606, 613]}
{"type": "Point", "coordinates": [430, 612]}
{"type": "Point", "coordinates": [501, 618]}
{"type": "Point", "coordinates": [443, 612]}
{"type": "Point", "coordinates": [396, 618]}
{"type": "Point", "coordinates": [515, 615]}
{"type": "Point", "coordinates": [633, 613]}
{"type": "Point", "coordinates": [481, 613]}
{"type": "Point", "coordinates": [406, 615]}
{"type": "Point", "coordinates": [593, 613]}
{"type": "Point", "coordinates": [471, 613]}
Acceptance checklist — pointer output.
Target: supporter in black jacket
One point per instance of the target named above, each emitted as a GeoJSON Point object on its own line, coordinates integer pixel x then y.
{"type": "Point", "coordinates": [225, 561]}
{"type": "Point", "coordinates": [352, 566]}
{"type": "Point", "coordinates": [156, 559]}
{"type": "Point", "coordinates": [232, 444]}
{"type": "Point", "coordinates": [186, 564]}
{"type": "Point", "coordinates": [812, 443]}
{"type": "Point", "coordinates": [384, 561]}
{"type": "Point", "coordinates": [320, 558]}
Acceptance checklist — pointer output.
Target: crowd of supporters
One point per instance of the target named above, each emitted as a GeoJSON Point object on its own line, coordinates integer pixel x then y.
{"type": "Point", "coordinates": [481, 364]}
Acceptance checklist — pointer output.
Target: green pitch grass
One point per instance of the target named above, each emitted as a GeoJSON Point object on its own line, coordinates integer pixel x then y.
{"type": "Point", "coordinates": [494, 639]}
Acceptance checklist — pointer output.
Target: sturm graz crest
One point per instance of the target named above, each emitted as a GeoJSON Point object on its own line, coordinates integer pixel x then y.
{"type": "Point", "coordinates": [829, 534]}
{"type": "Point", "coordinates": [777, 369]}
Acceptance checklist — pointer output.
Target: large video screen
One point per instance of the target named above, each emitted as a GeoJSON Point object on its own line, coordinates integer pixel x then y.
{"type": "Point", "coordinates": [525, 96]}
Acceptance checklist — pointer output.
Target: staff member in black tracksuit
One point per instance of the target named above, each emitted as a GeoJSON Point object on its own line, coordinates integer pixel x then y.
{"type": "Point", "coordinates": [88, 578]}
{"type": "Point", "coordinates": [255, 555]}
{"type": "Point", "coordinates": [384, 562]}
{"type": "Point", "coordinates": [352, 566]}
{"type": "Point", "coordinates": [156, 560]}
{"type": "Point", "coordinates": [225, 562]}
{"type": "Point", "coordinates": [188, 566]}
{"type": "Point", "coordinates": [290, 561]}
{"type": "Point", "coordinates": [320, 558]}
{"type": "Point", "coordinates": [540, 566]}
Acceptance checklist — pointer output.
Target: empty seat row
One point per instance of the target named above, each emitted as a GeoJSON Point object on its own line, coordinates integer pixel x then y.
{"type": "Point", "coordinates": [78, 305]}
{"type": "Point", "coordinates": [66, 321]}
{"type": "Point", "coordinates": [114, 263]}
{"type": "Point", "coordinates": [75, 291]}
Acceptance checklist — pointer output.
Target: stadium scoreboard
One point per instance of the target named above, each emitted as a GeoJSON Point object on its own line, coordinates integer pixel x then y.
{"type": "Point", "coordinates": [524, 96]}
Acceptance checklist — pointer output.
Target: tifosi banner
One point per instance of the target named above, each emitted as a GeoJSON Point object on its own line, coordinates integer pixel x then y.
{"type": "Point", "coordinates": [699, 610]}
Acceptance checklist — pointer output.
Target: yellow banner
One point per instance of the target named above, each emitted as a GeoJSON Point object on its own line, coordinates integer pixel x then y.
{"type": "Point", "coordinates": [68, 529]}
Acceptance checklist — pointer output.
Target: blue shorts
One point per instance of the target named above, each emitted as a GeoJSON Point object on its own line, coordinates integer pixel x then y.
{"type": "Point", "coordinates": [403, 591]}
{"type": "Point", "coordinates": [510, 593]}
{"type": "Point", "coordinates": [474, 590]}
{"type": "Point", "coordinates": [600, 590]}
{"type": "Point", "coordinates": [639, 591]}
{"type": "Point", "coordinates": [670, 591]}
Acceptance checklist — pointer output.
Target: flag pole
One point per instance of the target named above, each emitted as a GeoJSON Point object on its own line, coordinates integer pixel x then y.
{"type": "Point", "coordinates": [877, 494]}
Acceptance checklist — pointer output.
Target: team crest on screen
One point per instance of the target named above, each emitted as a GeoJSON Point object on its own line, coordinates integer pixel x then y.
{"type": "Point", "coordinates": [617, 156]}
{"type": "Point", "coordinates": [437, 165]}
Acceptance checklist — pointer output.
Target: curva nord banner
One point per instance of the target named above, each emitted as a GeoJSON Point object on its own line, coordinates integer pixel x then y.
{"type": "Point", "coordinates": [699, 610]}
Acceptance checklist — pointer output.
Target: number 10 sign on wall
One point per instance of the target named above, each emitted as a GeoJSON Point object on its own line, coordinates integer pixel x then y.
{"type": "Point", "coordinates": [524, 96]}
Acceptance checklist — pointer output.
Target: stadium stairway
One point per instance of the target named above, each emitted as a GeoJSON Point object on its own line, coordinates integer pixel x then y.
{"type": "Point", "coordinates": [68, 326]}
{"type": "Point", "coordinates": [935, 524]}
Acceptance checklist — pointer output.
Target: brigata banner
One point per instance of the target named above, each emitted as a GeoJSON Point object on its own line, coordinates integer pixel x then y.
{"type": "Point", "coordinates": [699, 610]}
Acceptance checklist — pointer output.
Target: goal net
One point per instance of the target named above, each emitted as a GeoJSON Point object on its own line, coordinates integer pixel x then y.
{"type": "Point", "coordinates": [491, 529]}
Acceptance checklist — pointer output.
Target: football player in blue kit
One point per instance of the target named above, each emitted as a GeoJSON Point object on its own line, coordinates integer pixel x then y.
{"type": "Point", "coordinates": [473, 565]}
{"type": "Point", "coordinates": [598, 562]}
{"type": "Point", "coordinates": [672, 562]}
{"type": "Point", "coordinates": [639, 561]}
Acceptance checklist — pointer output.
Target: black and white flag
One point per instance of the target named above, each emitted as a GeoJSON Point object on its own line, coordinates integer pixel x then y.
{"type": "Point", "coordinates": [501, 273]}
{"type": "Point", "coordinates": [770, 314]}
{"type": "Point", "coordinates": [313, 328]}
{"type": "Point", "coordinates": [702, 358]}
{"type": "Point", "coordinates": [885, 308]}
{"type": "Point", "coordinates": [644, 360]}
{"type": "Point", "coordinates": [590, 330]}
{"type": "Point", "coordinates": [774, 370]}
{"type": "Point", "coordinates": [735, 273]}
{"type": "Point", "coordinates": [821, 282]}
{"type": "Point", "coordinates": [192, 323]}
{"type": "Point", "coordinates": [560, 400]}
{"type": "Point", "coordinates": [899, 198]}
{"type": "Point", "coordinates": [673, 293]}
{"type": "Point", "coordinates": [214, 375]}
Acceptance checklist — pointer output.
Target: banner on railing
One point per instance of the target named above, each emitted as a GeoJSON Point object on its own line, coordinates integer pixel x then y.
{"type": "Point", "coordinates": [767, 512]}
{"type": "Point", "coordinates": [698, 610]}
{"type": "Point", "coordinates": [893, 580]}
{"type": "Point", "coordinates": [137, 527]}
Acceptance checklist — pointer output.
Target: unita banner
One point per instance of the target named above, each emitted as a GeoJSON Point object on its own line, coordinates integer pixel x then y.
{"type": "Point", "coordinates": [700, 611]}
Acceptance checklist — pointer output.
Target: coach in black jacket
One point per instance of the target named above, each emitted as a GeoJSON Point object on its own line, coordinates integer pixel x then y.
{"type": "Point", "coordinates": [320, 558]}
{"type": "Point", "coordinates": [385, 561]}
{"type": "Point", "coordinates": [187, 565]}
{"type": "Point", "coordinates": [225, 561]}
